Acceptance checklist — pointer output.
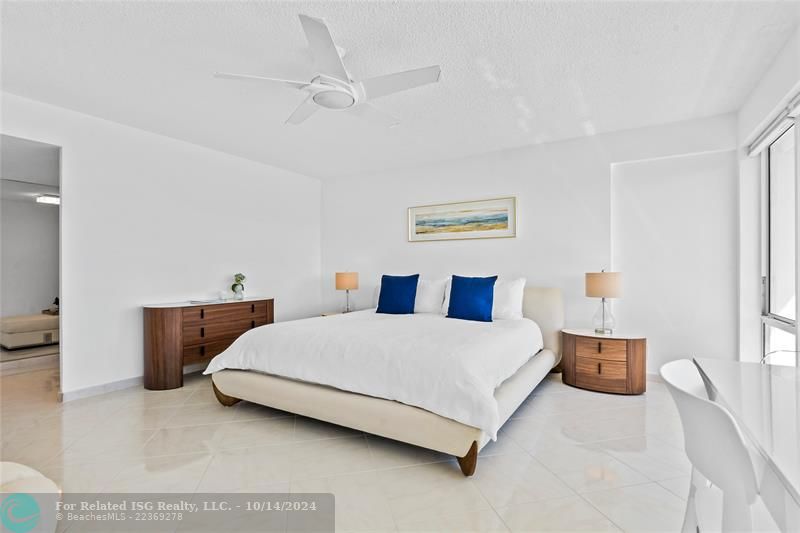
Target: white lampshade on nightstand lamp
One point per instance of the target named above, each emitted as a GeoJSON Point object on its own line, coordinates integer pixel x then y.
{"type": "Point", "coordinates": [347, 281]}
{"type": "Point", "coordinates": [604, 285]}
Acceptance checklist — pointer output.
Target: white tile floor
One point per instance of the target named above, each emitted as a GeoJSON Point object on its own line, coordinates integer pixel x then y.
{"type": "Point", "coordinates": [569, 460]}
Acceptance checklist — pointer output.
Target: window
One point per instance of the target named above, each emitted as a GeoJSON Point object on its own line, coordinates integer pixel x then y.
{"type": "Point", "coordinates": [779, 320]}
{"type": "Point", "coordinates": [782, 226]}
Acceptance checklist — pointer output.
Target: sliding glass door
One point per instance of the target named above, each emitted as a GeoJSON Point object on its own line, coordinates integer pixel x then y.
{"type": "Point", "coordinates": [779, 315]}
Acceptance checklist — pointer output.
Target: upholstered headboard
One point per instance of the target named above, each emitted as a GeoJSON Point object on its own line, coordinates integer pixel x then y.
{"type": "Point", "coordinates": [545, 306]}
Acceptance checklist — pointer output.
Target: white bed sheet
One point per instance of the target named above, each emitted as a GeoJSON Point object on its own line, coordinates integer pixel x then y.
{"type": "Point", "coordinates": [447, 366]}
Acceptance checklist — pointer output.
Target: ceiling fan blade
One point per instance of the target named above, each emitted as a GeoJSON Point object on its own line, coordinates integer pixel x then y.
{"type": "Point", "coordinates": [326, 56]}
{"type": "Point", "coordinates": [250, 77]}
{"type": "Point", "coordinates": [400, 81]}
{"type": "Point", "coordinates": [377, 116]}
{"type": "Point", "coordinates": [303, 111]}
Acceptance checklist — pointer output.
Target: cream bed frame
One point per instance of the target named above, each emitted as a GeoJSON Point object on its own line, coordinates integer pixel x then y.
{"type": "Point", "coordinates": [399, 421]}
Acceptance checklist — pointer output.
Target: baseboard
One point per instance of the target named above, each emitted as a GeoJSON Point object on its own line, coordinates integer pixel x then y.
{"type": "Point", "coordinates": [100, 389]}
{"type": "Point", "coordinates": [118, 385]}
{"type": "Point", "coordinates": [654, 376]}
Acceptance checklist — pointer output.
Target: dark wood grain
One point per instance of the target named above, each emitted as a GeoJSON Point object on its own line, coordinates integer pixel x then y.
{"type": "Point", "coordinates": [183, 335]}
{"type": "Point", "coordinates": [568, 358]}
{"type": "Point", "coordinates": [270, 311]}
{"type": "Point", "coordinates": [608, 349]}
{"type": "Point", "coordinates": [469, 462]}
{"type": "Point", "coordinates": [600, 375]}
{"type": "Point", "coordinates": [203, 353]}
{"type": "Point", "coordinates": [163, 349]}
{"type": "Point", "coordinates": [215, 331]}
{"type": "Point", "coordinates": [224, 312]}
{"type": "Point", "coordinates": [637, 366]}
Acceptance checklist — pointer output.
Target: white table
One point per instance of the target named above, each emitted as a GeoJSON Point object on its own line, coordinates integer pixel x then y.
{"type": "Point", "coordinates": [765, 401]}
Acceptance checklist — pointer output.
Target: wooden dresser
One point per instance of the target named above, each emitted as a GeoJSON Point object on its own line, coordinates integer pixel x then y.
{"type": "Point", "coordinates": [605, 363]}
{"type": "Point", "coordinates": [182, 334]}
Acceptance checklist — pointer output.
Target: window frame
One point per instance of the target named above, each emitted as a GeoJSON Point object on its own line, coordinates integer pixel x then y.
{"type": "Point", "coordinates": [769, 319]}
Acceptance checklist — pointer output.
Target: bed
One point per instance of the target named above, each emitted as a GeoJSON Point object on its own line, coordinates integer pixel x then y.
{"type": "Point", "coordinates": [238, 374]}
{"type": "Point", "coordinates": [25, 331]}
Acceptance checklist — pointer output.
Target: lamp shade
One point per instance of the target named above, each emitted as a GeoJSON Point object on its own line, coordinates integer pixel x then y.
{"type": "Point", "coordinates": [603, 284]}
{"type": "Point", "coordinates": [346, 281]}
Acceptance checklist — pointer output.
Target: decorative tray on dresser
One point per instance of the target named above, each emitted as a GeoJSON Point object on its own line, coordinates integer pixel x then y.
{"type": "Point", "coordinates": [180, 334]}
{"type": "Point", "coordinates": [605, 363]}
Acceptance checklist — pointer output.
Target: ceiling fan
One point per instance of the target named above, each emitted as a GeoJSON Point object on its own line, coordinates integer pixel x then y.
{"type": "Point", "coordinates": [333, 88]}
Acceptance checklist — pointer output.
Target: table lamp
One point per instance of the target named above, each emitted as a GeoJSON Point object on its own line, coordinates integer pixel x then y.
{"type": "Point", "coordinates": [347, 281]}
{"type": "Point", "coordinates": [604, 285]}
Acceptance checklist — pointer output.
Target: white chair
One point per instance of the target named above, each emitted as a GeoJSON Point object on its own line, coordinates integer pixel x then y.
{"type": "Point", "coordinates": [715, 447]}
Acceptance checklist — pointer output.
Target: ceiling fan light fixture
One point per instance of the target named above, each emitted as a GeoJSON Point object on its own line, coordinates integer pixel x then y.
{"type": "Point", "coordinates": [334, 99]}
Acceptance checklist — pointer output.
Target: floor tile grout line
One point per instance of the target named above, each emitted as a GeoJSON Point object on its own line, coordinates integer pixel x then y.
{"type": "Point", "coordinates": [574, 493]}
{"type": "Point", "coordinates": [593, 506]}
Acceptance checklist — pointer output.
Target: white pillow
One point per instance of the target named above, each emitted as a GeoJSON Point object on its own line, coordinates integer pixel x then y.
{"type": "Point", "coordinates": [446, 302]}
{"type": "Point", "coordinates": [508, 296]}
{"type": "Point", "coordinates": [507, 304]}
{"type": "Point", "coordinates": [430, 294]}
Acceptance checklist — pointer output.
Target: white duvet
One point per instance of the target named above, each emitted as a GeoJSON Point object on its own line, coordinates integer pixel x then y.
{"type": "Point", "coordinates": [447, 366]}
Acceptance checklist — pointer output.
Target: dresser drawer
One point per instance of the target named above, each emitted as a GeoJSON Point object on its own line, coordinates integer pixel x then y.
{"type": "Point", "coordinates": [204, 352]}
{"type": "Point", "coordinates": [224, 312]}
{"type": "Point", "coordinates": [214, 331]}
{"type": "Point", "coordinates": [606, 349]}
{"type": "Point", "coordinates": [600, 375]}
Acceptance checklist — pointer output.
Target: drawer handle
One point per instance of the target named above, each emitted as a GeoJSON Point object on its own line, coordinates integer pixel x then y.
{"type": "Point", "coordinates": [202, 313]}
{"type": "Point", "coordinates": [252, 308]}
{"type": "Point", "coordinates": [202, 332]}
{"type": "Point", "coordinates": [599, 368]}
{"type": "Point", "coordinates": [202, 351]}
{"type": "Point", "coordinates": [599, 347]}
{"type": "Point", "coordinates": [252, 324]}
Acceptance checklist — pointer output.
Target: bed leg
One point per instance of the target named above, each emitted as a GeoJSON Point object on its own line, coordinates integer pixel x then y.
{"type": "Point", "coordinates": [224, 399]}
{"type": "Point", "coordinates": [469, 461]}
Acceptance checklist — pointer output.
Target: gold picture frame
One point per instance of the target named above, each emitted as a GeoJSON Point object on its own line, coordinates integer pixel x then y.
{"type": "Point", "coordinates": [493, 218]}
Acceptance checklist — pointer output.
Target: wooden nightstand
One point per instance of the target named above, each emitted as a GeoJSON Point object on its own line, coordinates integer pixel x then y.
{"type": "Point", "coordinates": [604, 363]}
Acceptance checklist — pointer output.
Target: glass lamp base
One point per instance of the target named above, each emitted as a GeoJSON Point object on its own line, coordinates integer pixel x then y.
{"type": "Point", "coordinates": [604, 321]}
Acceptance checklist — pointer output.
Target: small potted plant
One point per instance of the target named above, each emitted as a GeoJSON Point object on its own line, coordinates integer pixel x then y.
{"type": "Point", "coordinates": [238, 286]}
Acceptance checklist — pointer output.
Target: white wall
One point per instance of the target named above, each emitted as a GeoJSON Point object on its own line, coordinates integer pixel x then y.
{"type": "Point", "coordinates": [29, 253]}
{"type": "Point", "coordinates": [146, 218]}
{"type": "Point", "coordinates": [674, 237]}
{"type": "Point", "coordinates": [749, 259]}
{"type": "Point", "coordinates": [563, 192]}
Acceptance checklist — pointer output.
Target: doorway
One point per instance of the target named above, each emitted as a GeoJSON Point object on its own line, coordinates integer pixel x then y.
{"type": "Point", "coordinates": [30, 197]}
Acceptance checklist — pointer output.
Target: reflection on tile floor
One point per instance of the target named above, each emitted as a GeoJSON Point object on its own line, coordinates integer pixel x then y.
{"type": "Point", "coordinates": [568, 460]}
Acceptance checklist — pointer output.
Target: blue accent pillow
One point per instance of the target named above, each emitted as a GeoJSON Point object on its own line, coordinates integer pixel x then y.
{"type": "Point", "coordinates": [471, 298]}
{"type": "Point", "coordinates": [398, 294]}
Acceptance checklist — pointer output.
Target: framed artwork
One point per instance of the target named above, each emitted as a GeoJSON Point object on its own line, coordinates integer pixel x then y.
{"type": "Point", "coordinates": [478, 219]}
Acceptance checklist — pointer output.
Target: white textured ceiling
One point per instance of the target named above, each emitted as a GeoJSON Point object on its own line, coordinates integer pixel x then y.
{"type": "Point", "coordinates": [512, 73]}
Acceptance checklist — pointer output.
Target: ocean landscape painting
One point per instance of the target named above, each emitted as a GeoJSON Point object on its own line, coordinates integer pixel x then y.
{"type": "Point", "coordinates": [480, 219]}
